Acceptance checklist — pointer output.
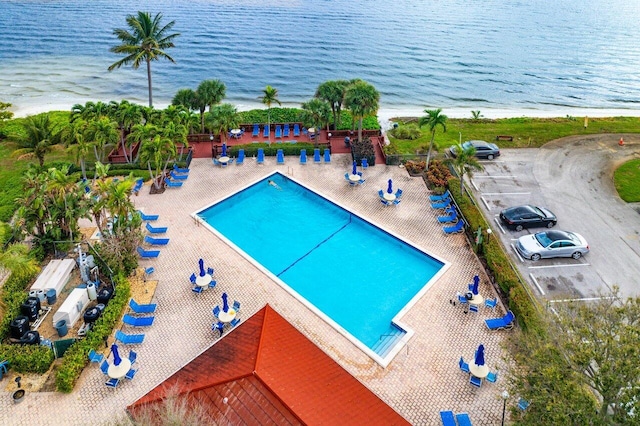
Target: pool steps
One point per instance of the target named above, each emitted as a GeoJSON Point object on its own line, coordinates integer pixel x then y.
{"type": "Point", "coordinates": [388, 341]}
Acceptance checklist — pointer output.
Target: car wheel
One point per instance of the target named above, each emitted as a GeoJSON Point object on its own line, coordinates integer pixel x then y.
{"type": "Point", "coordinates": [535, 256]}
{"type": "Point", "coordinates": [576, 255]}
{"type": "Point", "coordinates": [519, 228]}
{"type": "Point", "coordinates": [490, 157]}
{"type": "Point", "coordinates": [551, 224]}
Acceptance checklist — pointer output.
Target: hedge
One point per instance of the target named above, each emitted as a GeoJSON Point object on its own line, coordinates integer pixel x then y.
{"type": "Point", "coordinates": [27, 358]}
{"type": "Point", "coordinates": [251, 150]}
{"type": "Point", "coordinates": [76, 357]}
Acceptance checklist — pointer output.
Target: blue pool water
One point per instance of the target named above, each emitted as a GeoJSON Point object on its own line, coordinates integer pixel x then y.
{"type": "Point", "coordinates": [354, 272]}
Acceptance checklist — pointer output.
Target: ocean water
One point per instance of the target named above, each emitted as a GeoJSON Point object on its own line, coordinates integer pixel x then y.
{"type": "Point", "coordinates": [536, 55]}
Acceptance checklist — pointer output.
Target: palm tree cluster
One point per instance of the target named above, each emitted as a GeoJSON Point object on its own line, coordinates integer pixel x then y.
{"type": "Point", "coordinates": [208, 94]}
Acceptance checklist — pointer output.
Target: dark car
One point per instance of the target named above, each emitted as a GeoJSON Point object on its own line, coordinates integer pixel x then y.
{"type": "Point", "coordinates": [483, 149]}
{"type": "Point", "coordinates": [528, 216]}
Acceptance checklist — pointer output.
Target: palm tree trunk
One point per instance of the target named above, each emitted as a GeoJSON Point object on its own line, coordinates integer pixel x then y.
{"type": "Point", "coordinates": [83, 168]}
{"type": "Point", "coordinates": [433, 136]}
{"type": "Point", "coordinates": [150, 85]}
{"type": "Point", "coordinates": [124, 147]}
{"type": "Point", "coordinates": [360, 129]}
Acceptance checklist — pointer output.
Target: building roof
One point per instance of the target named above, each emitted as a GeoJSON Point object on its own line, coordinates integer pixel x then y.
{"type": "Point", "coordinates": [270, 373]}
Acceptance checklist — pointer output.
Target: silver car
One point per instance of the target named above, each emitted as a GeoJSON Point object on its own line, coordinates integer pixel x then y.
{"type": "Point", "coordinates": [552, 244]}
{"type": "Point", "coordinates": [483, 149]}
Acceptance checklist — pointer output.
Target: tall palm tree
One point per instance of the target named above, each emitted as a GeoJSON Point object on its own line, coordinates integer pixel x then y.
{"type": "Point", "coordinates": [333, 92]}
{"type": "Point", "coordinates": [177, 133]}
{"type": "Point", "coordinates": [40, 135]}
{"type": "Point", "coordinates": [103, 134]}
{"type": "Point", "coordinates": [141, 133]}
{"type": "Point", "coordinates": [221, 119]}
{"type": "Point", "coordinates": [465, 163]}
{"type": "Point", "coordinates": [363, 100]}
{"type": "Point", "coordinates": [318, 113]}
{"type": "Point", "coordinates": [209, 93]}
{"type": "Point", "coordinates": [185, 98]}
{"type": "Point", "coordinates": [73, 137]}
{"type": "Point", "coordinates": [145, 40]}
{"type": "Point", "coordinates": [269, 96]}
{"type": "Point", "coordinates": [433, 119]}
{"type": "Point", "coordinates": [126, 115]}
{"type": "Point", "coordinates": [157, 151]}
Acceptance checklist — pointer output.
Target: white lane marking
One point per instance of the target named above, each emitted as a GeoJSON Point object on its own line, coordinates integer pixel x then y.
{"type": "Point", "coordinates": [485, 203]}
{"type": "Point", "coordinates": [536, 283]}
{"type": "Point", "coordinates": [474, 185]}
{"type": "Point", "coordinates": [517, 253]}
{"type": "Point", "coordinates": [559, 266]}
{"type": "Point", "coordinates": [495, 219]}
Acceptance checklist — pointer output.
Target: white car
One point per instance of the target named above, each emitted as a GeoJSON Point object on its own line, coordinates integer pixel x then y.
{"type": "Point", "coordinates": [549, 244]}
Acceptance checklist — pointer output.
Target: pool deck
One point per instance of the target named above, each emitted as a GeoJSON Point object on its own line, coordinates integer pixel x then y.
{"type": "Point", "coordinates": [424, 377]}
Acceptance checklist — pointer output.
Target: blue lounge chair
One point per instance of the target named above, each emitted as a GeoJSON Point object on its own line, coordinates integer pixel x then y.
{"type": "Point", "coordinates": [285, 131]}
{"type": "Point", "coordinates": [364, 163]}
{"type": "Point", "coordinates": [138, 321]}
{"type": "Point", "coordinates": [491, 303]}
{"type": "Point", "coordinates": [303, 156]}
{"type": "Point", "coordinates": [260, 159]}
{"type": "Point", "coordinates": [130, 374]}
{"type": "Point", "coordinates": [172, 184]}
{"type": "Point", "coordinates": [458, 227]}
{"type": "Point", "coordinates": [129, 339]}
{"type": "Point", "coordinates": [112, 383]}
{"type": "Point", "coordinates": [142, 308]}
{"type": "Point", "coordinates": [179, 170]}
{"type": "Point", "coordinates": [93, 357]}
{"type": "Point", "coordinates": [316, 156]}
{"type": "Point", "coordinates": [148, 217]}
{"type": "Point", "coordinates": [104, 367]}
{"type": "Point", "coordinates": [148, 253]}
{"type": "Point", "coordinates": [176, 176]}
{"type": "Point", "coordinates": [240, 159]}
{"type": "Point", "coordinates": [256, 131]}
{"type": "Point", "coordinates": [441, 204]}
{"type": "Point", "coordinates": [442, 197]}
{"type": "Point", "coordinates": [451, 217]}
{"type": "Point", "coordinates": [266, 131]}
{"type": "Point", "coordinates": [463, 366]}
{"type": "Point", "coordinates": [296, 130]}
{"type": "Point", "coordinates": [278, 131]}
{"type": "Point", "coordinates": [136, 188]}
{"type": "Point", "coordinates": [156, 241]}
{"type": "Point", "coordinates": [463, 419]}
{"type": "Point", "coordinates": [523, 404]}
{"type": "Point", "coordinates": [505, 322]}
{"type": "Point", "coordinates": [327, 156]}
{"type": "Point", "coordinates": [492, 377]}
{"type": "Point", "coordinates": [447, 418]}
{"type": "Point", "coordinates": [280, 157]}
{"type": "Point", "coordinates": [475, 381]}
{"type": "Point", "coordinates": [132, 357]}
{"type": "Point", "coordinates": [156, 230]}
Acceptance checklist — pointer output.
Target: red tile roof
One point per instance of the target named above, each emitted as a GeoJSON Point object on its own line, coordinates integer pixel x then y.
{"type": "Point", "coordinates": [271, 373]}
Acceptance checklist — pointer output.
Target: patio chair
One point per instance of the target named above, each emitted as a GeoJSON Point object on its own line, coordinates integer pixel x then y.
{"type": "Point", "coordinates": [303, 156]}
{"type": "Point", "coordinates": [473, 308]}
{"type": "Point", "coordinates": [491, 303]}
{"type": "Point", "coordinates": [147, 273]}
{"type": "Point", "coordinates": [381, 193]}
{"type": "Point", "coordinates": [212, 283]}
{"type": "Point", "coordinates": [523, 404]}
{"type": "Point", "coordinates": [218, 326]}
{"type": "Point", "coordinates": [192, 278]}
{"type": "Point", "coordinates": [129, 339]}
{"type": "Point", "coordinates": [441, 204]}
{"type": "Point", "coordinates": [240, 159]}
{"type": "Point", "coordinates": [506, 322]}
{"type": "Point", "coordinates": [142, 309]}
{"type": "Point", "coordinates": [278, 131]}
{"type": "Point", "coordinates": [138, 321]}
{"type": "Point", "coordinates": [256, 131]}
{"type": "Point", "coordinates": [441, 197]}
{"type": "Point", "coordinates": [179, 170]}
{"type": "Point", "coordinates": [463, 419]}
{"type": "Point", "coordinates": [398, 193]}
{"type": "Point", "coordinates": [156, 230]}
{"type": "Point", "coordinates": [463, 366]}
{"type": "Point", "coordinates": [396, 202]}
{"type": "Point", "coordinates": [266, 132]}
{"type": "Point", "coordinates": [316, 156]}
{"type": "Point", "coordinates": [112, 383]}
{"type": "Point", "coordinates": [94, 356]}
{"type": "Point", "coordinates": [285, 131]}
{"type": "Point", "coordinates": [148, 217]}
{"type": "Point", "coordinates": [148, 254]}
{"type": "Point", "coordinates": [3, 368]}
{"type": "Point", "coordinates": [216, 311]}
{"type": "Point", "coordinates": [132, 357]}
{"type": "Point", "coordinates": [492, 377]}
{"type": "Point", "coordinates": [362, 181]}
{"type": "Point", "coordinates": [296, 129]}
{"type": "Point", "coordinates": [236, 305]}
{"type": "Point", "coordinates": [235, 322]}
{"type": "Point", "coordinates": [210, 271]}
{"type": "Point", "coordinates": [216, 162]}
{"type": "Point", "coordinates": [475, 381]}
{"type": "Point", "coordinates": [130, 374]}
{"type": "Point", "coordinates": [385, 202]}
{"type": "Point", "coordinates": [458, 227]}
{"type": "Point", "coordinates": [448, 419]}
{"type": "Point", "coordinates": [280, 157]}
{"type": "Point", "coordinates": [104, 367]}
{"type": "Point", "coordinates": [176, 176]}
{"type": "Point", "coordinates": [327, 156]}
{"type": "Point", "coordinates": [156, 241]}
{"type": "Point", "coordinates": [172, 184]}
{"type": "Point", "coordinates": [260, 159]}
{"type": "Point", "coordinates": [364, 163]}
{"type": "Point", "coordinates": [197, 289]}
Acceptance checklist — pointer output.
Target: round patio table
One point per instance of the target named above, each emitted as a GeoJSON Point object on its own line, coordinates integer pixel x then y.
{"type": "Point", "coordinates": [389, 197]}
{"type": "Point", "coordinates": [480, 371]}
{"type": "Point", "coordinates": [120, 370]}
{"type": "Point", "coordinates": [227, 316]}
{"type": "Point", "coordinates": [203, 281]}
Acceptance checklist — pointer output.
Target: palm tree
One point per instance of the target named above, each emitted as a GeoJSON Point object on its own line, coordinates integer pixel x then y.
{"type": "Point", "coordinates": [140, 133]}
{"type": "Point", "coordinates": [103, 134]}
{"type": "Point", "coordinates": [363, 100]}
{"type": "Point", "coordinates": [433, 119]}
{"type": "Point", "coordinates": [333, 92]}
{"type": "Point", "coordinates": [269, 96]}
{"type": "Point", "coordinates": [318, 113]}
{"type": "Point", "coordinates": [177, 133]}
{"type": "Point", "coordinates": [185, 98]}
{"type": "Point", "coordinates": [126, 115]}
{"type": "Point", "coordinates": [146, 41]}
{"type": "Point", "coordinates": [41, 134]}
{"type": "Point", "coordinates": [209, 93]}
{"type": "Point", "coordinates": [222, 118]}
{"type": "Point", "coordinates": [157, 151]}
{"type": "Point", "coordinates": [73, 137]}
{"type": "Point", "coordinates": [465, 162]}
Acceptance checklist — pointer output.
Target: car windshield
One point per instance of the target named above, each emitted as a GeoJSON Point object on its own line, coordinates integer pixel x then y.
{"type": "Point", "coordinates": [543, 239]}
{"type": "Point", "coordinates": [467, 145]}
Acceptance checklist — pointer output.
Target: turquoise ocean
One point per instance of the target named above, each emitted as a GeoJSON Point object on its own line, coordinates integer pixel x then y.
{"type": "Point", "coordinates": [535, 57]}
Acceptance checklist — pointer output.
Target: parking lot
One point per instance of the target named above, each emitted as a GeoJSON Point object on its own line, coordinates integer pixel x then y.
{"type": "Point", "coordinates": [573, 179]}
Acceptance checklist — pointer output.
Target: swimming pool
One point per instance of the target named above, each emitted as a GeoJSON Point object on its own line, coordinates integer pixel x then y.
{"type": "Point", "coordinates": [354, 274]}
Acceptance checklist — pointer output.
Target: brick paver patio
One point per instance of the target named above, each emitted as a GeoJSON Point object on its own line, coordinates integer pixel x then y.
{"type": "Point", "coordinates": [423, 378]}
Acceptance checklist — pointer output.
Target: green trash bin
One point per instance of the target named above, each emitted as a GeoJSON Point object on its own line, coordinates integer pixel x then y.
{"type": "Point", "coordinates": [61, 328]}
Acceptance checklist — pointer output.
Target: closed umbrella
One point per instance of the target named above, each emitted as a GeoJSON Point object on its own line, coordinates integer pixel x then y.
{"type": "Point", "coordinates": [480, 355]}
{"type": "Point", "coordinates": [390, 188]}
{"type": "Point", "coordinates": [225, 304]}
{"type": "Point", "coordinates": [224, 149]}
{"type": "Point", "coordinates": [116, 357]}
{"type": "Point", "coordinates": [201, 263]}
{"type": "Point", "coordinates": [355, 169]}
{"type": "Point", "coordinates": [476, 283]}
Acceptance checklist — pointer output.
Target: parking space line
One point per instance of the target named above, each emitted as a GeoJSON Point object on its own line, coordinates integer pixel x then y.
{"type": "Point", "coordinates": [485, 203]}
{"type": "Point", "coordinates": [495, 219]}
{"type": "Point", "coordinates": [517, 254]}
{"type": "Point", "coordinates": [559, 266]}
{"type": "Point", "coordinates": [536, 283]}
{"type": "Point", "coordinates": [474, 185]}
{"type": "Point", "coordinates": [506, 193]}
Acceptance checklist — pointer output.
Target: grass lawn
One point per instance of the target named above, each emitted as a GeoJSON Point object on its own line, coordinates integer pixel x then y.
{"type": "Point", "coordinates": [627, 181]}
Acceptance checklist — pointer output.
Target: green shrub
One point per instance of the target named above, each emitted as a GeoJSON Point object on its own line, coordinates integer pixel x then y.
{"type": "Point", "coordinates": [27, 358]}
{"type": "Point", "coordinates": [291, 149]}
{"type": "Point", "coordinates": [408, 132]}
{"type": "Point", "coordinates": [364, 149]}
{"type": "Point", "coordinates": [438, 175]}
